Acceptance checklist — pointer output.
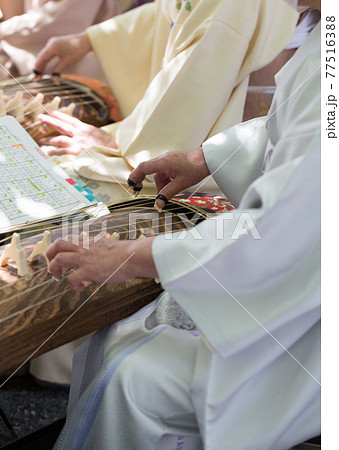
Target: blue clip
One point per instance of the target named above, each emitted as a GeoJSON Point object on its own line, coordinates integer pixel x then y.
{"type": "Point", "coordinates": [90, 197]}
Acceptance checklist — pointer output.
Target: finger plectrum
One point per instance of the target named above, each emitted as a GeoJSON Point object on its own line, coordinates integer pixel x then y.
{"type": "Point", "coordinates": [160, 202]}
{"type": "Point", "coordinates": [131, 182]}
{"type": "Point", "coordinates": [136, 190]}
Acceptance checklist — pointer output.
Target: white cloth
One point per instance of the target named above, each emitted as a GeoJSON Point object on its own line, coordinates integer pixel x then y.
{"type": "Point", "coordinates": [249, 378]}
{"type": "Point", "coordinates": [303, 29]}
{"type": "Point", "coordinates": [22, 37]}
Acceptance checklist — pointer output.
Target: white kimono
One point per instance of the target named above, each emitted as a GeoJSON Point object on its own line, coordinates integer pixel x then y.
{"type": "Point", "coordinates": [234, 362]}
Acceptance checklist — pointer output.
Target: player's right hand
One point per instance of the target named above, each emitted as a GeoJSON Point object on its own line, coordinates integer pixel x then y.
{"type": "Point", "coordinates": [68, 49]}
{"type": "Point", "coordinates": [173, 172]}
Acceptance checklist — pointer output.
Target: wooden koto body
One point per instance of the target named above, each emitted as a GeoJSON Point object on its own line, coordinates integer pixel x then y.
{"type": "Point", "coordinates": [87, 99]}
{"type": "Point", "coordinates": [39, 313]}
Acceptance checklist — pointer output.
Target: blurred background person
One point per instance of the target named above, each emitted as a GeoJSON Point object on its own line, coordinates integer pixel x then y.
{"type": "Point", "coordinates": [27, 25]}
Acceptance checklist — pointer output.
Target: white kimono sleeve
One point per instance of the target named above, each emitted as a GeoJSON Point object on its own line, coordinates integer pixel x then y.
{"type": "Point", "coordinates": [242, 273]}
{"type": "Point", "coordinates": [232, 284]}
{"type": "Point", "coordinates": [235, 157]}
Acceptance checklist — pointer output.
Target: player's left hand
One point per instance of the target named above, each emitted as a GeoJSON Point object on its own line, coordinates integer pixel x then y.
{"type": "Point", "coordinates": [105, 261]}
{"type": "Point", "coordinates": [173, 172]}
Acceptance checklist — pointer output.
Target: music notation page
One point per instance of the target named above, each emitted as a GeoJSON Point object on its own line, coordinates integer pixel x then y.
{"type": "Point", "coordinates": [32, 187]}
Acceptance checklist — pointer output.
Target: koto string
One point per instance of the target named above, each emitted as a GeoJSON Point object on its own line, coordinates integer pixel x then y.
{"type": "Point", "coordinates": [158, 229]}
{"type": "Point", "coordinates": [123, 210]}
{"type": "Point", "coordinates": [136, 204]}
{"type": "Point", "coordinates": [26, 90]}
{"type": "Point", "coordinates": [49, 281]}
{"type": "Point", "coordinates": [109, 228]}
{"type": "Point", "coordinates": [28, 112]}
{"type": "Point", "coordinates": [34, 124]}
{"type": "Point", "coordinates": [33, 306]}
{"type": "Point", "coordinates": [27, 277]}
{"type": "Point", "coordinates": [117, 228]}
{"type": "Point", "coordinates": [38, 122]}
{"type": "Point", "coordinates": [6, 300]}
{"type": "Point", "coordinates": [51, 88]}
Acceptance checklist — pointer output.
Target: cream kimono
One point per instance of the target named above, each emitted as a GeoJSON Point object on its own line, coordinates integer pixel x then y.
{"type": "Point", "coordinates": [180, 76]}
{"type": "Point", "coordinates": [229, 356]}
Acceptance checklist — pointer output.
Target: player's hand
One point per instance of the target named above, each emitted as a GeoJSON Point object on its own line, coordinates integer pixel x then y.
{"type": "Point", "coordinates": [75, 135]}
{"type": "Point", "coordinates": [173, 172]}
{"type": "Point", "coordinates": [105, 261]}
{"type": "Point", "coordinates": [68, 49]}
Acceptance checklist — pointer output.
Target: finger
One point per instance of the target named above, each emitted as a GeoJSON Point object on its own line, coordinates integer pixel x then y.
{"type": "Point", "coordinates": [61, 245]}
{"type": "Point", "coordinates": [169, 191]}
{"type": "Point", "coordinates": [161, 180]}
{"type": "Point", "coordinates": [51, 117]}
{"type": "Point", "coordinates": [43, 58]}
{"type": "Point", "coordinates": [57, 124]}
{"type": "Point", "coordinates": [146, 168]}
{"type": "Point", "coordinates": [66, 118]}
{"type": "Point", "coordinates": [77, 278]}
{"type": "Point", "coordinates": [64, 260]}
{"type": "Point", "coordinates": [63, 64]}
{"type": "Point", "coordinates": [74, 150]}
{"type": "Point", "coordinates": [62, 145]}
{"type": "Point", "coordinates": [58, 141]}
{"type": "Point", "coordinates": [36, 72]}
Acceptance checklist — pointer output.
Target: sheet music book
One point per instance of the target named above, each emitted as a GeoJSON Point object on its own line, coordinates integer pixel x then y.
{"type": "Point", "coordinates": [32, 187]}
